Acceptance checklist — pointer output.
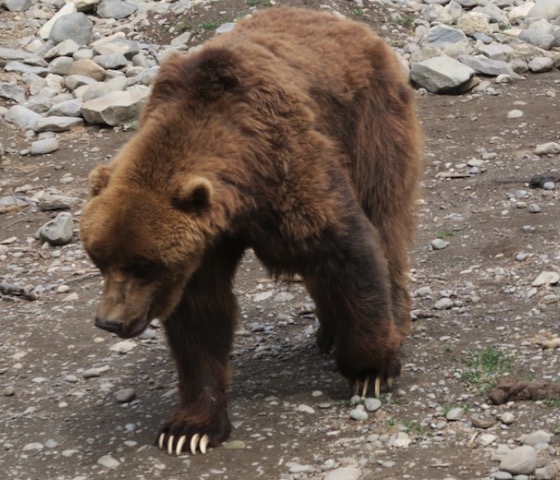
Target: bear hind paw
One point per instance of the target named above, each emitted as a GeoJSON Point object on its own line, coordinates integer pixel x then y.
{"type": "Point", "coordinates": [361, 386]}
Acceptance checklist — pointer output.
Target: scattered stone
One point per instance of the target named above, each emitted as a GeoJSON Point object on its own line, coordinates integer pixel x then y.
{"type": "Point", "coordinates": [444, 304]}
{"type": "Point", "coordinates": [74, 26]}
{"type": "Point", "coordinates": [123, 347]}
{"type": "Point", "coordinates": [372, 404]}
{"type": "Point", "coordinates": [305, 409]}
{"type": "Point", "coordinates": [17, 5]}
{"type": "Point", "coordinates": [42, 147]}
{"type": "Point", "coordinates": [234, 445]}
{"type": "Point", "coordinates": [455, 414]}
{"type": "Point", "coordinates": [487, 66]}
{"type": "Point", "coordinates": [507, 418]}
{"type": "Point", "coordinates": [514, 114]}
{"type": "Point", "coordinates": [441, 75]}
{"type": "Point", "coordinates": [358, 414]}
{"type": "Point", "coordinates": [520, 460]}
{"type": "Point", "coordinates": [550, 148]}
{"type": "Point", "coordinates": [534, 438]}
{"type": "Point", "coordinates": [12, 92]}
{"type": "Point", "coordinates": [474, 22]}
{"type": "Point", "coordinates": [115, 108]}
{"type": "Point", "coordinates": [125, 395]}
{"type": "Point", "coordinates": [91, 373]}
{"type": "Point", "coordinates": [344, 473]}
{"type": "Point", "coordinates": [108, 461]}
{"type": "Point", "coordinates": [33, 447]}
{"type": "Point", "coordinates": [541, 64]}
{"type": "Point", "coordinates": [534, 208]}
{"type": "Point", "coordinates": [546, 278]}
{"type": "Point", "coordinates": [116, 9]}
{"type": "Point", "coordinates": [442, 36]}
{"type": "Point", "coordinates": [56, 124]}
{"type": "Point", "coordinates": [113, 61]}
{"type": "Point", "coordinates": [58, 231]}
{"type": "Point", "coordinates": [439, 244]}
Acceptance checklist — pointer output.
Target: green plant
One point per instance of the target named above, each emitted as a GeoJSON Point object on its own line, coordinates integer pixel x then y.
{"type": "Point", "coordinates": [552, 402]}
{"type": "Point", "coordinates": [404, 20]}
{"type": "Point", "coordinates": [445, 233]}
{"type": "Point", "coordinates": [258, 3]}
{"type": "Point", "coordinates": [357, 12]}
{"type": "Point", "coordinates": [184, 27]}
{"type": "Point", "coordinates": [485, 366]}
{"type": "Point", "coordinates": [206, 26]}
{"type": "Point", "coordinates": [504, 26]}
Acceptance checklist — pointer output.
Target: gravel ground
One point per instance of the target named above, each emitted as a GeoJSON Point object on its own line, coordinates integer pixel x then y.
{"type": "Point", "coordinates": [78, 403]}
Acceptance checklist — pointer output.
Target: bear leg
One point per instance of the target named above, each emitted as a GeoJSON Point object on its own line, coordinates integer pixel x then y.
{"type": "Point", "coordinates": [351, 287]}
{"type": "Point", "coordinates": [200, 334]}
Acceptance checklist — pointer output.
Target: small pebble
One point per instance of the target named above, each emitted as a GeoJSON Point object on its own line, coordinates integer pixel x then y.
{"type": "Point", "coordinates": [125, 395]}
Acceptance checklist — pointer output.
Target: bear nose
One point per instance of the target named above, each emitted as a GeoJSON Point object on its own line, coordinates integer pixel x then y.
{"type": "Point", "coordinates": [110, 326]}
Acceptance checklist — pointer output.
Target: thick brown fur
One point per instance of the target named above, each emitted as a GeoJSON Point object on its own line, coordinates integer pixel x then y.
{"type": "Point", "coordinates": [295, 135]}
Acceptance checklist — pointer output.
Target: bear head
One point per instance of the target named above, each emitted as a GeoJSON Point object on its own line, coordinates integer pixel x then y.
{"type": "Point", "coordinates": [146, 244]}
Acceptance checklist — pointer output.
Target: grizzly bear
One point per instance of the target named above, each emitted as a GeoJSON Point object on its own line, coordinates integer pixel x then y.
{"type": "Point", "coordinates": [294, 135]}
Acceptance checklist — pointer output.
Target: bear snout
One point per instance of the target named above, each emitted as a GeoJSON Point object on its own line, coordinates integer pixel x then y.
{"type": "Point", "coordinates": [110, 326]}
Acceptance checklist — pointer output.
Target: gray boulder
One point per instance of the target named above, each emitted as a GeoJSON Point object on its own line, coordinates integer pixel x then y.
{"type": "Point", "coordinates": [21, 116]}
{"type": "Point", "coordinates": [442, 36]}
{"type": "Point", "coordinates": [74, 26]}
{"type": "Point", "coordinates": [487, 66]}
{"type": "Point", "coordinates": [545, 9]}
{"type": "Point", "coordinates": [58, 232]}
{"type": "Point", "coordinates": [114, 108]}
{"type": "Point", "coordinates": [441, 74]}
{"type": "Point", "coordinates": [116, 9]}
{"type": "Point", "coordinates": [17, 5]}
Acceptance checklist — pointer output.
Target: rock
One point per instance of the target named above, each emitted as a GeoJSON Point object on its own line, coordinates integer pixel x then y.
{"type": "Point", "coordinates": [455, 414]}
{"type": "Point", "coordinates": [520, 460]}
{"type": "Point", "coordinates": [74, 26]}
{"type": "Point", "coordinates": [372, 404]}
{"type": "Point", "coordinates": [496, 51]}
{"type": "Point", "coordinates": [182, 39]}
{"type": "Point", "coordinates": [520, 12]}
{"type": "Point", "coordinates": [545, 9]}
{"type": "Point", "coordinates": [17, 5]}
{"type": "Point", "coordinates": [56, 124]}
{"type": "Point", "coordinates": [22, 117]}
{"type": "Point", "coordinates": [358, 414]}
{"type": "Point", "coordinates": [549, 148]}
{"type": "Point", "coordinates": [73, 82]}
{"type": "Point", "coordinates": [305, 409]}
{"type": "Point", "coordinates": [88, 68]}
{"type": "Point", "coordinates": [344, 473]}
{"type": "Point", "coordinates": [33, 447]}
{"type": "Point", "coordinates": [108, 462]}
{"type": "Point", "coordinates": [125, 395]}
{"type": "Point", "coordinates": [124, 46]}
{"type": "Point", "coordinates": [95, 91]}
{"type": "Point", "coordinates": [85, 5]}
{"type": "Point", "coordinates": [111, 61]}
{"type": "Point", "coordinates": [441, 74]}
{"type": "Point", "coordinates": [534, 438]}
{"type": "Point", "coordinates": [514, 114]}
{"type": "Point", "coordinates": [69, 108]}
{"type": "Point", "coordinates": [67, 9]}
{"type": "Point", "coordinates": [507, 418]}
{"type": "Point", "coordinates": [24, 68]}
{"type": "Point", "coordinates": [487, 66]}
{"type": "Point", "coordinates": [442, 36]}
{"type": "Point", "coordinates": [115, 108]}
{"type": "Point", "coordinates": [549, 186]}
{"type": "Point", "coordinates": [541, 64]}
{"type": "Point", "coordinates": [474, 22]}
{"type": "Point", "coordinates": [538, 38]}
{"type": "Point", "coordinates": [444, 304]}
{"type": "Point", "coordinates": [123, 347]}
{"type": "Point", "coordinates": [439, 244]}
{"type": "Point", "coordinates": [61, 65]}
{"type": "Point", "coordinates": [534, 208]}
{"type": "Point", "coordinates": [546, 278]}
{"type": "Point", "coordinates": [63, 49]}
{"type": "Point", "coordinates": [91, 373]}
{"type": "Point", "coordinates": [59, 231]}
{"type": "Point", "coordinates": [42, 147]}
{"type": "Point", "coordinates": [10, 54]}
{"type": "Point", "coordinates": [437, 13]}
{"type": "Point", "coordinates": [12, 92]}
{"type": "Point", "coordinates": [116, 9]}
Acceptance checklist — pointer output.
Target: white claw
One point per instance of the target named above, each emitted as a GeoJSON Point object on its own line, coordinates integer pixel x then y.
{"type": "Point", "coordinates": [180, 444]}
{"type": "Point", "coordinates": [204, 443]}
{"type": "Point", "coordinates": [377, 387]}
{"type": "Point", "coordinates": [194, 443]}
{"type": "Point", "coordinates": [161, 440]}
{"type": "Point", "coordinates": [170, 445]}
{"type": "Point", "coordinates": [390, 382]}
{"type": "Point", "coordinates": [356, 388]}
{"type": "Point", "coordinates": [366, 384]}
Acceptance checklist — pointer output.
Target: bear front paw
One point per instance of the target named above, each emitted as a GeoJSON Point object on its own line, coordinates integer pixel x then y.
{"type": "Point", "coordinates": [179, 436]}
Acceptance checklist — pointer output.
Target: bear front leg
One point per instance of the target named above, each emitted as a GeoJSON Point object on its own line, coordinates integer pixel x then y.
{"type": "Point", "coordinates": [352, 291]}
{"type": "Point", "coordinates": [200, 334]}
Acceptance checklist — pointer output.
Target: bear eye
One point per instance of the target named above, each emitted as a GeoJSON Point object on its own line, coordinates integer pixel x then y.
{"type": "Point", "coordinates": [141, 268]}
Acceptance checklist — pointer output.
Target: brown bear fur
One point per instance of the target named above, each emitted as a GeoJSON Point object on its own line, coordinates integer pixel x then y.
{"type": "Point", "coordinates": [294, 135]}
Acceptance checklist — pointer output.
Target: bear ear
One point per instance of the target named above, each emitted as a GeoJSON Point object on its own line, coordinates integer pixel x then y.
{"type": "Point", "coordinates": [194, 195]}
{"type": "Point", "coordinates": [98, 179]}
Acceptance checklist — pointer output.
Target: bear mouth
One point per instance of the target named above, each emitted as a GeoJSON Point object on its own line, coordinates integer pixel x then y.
{"type": "Point", "coordinates": [135, 329]}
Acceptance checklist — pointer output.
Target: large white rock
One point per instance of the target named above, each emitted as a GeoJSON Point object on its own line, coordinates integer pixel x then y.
{"type": "Point", "coordinates": [520, 461]}
{"type": "Point", "coordinates": [545, 9]}
{"type": "Point", "coordinates": [520, 12]}
{"type": "Point", "coordinates": [441, 74]}
{"type": "Point", "coordinates": [114, 108]}
{"type": "Point", "coordinates": [474, 22]}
